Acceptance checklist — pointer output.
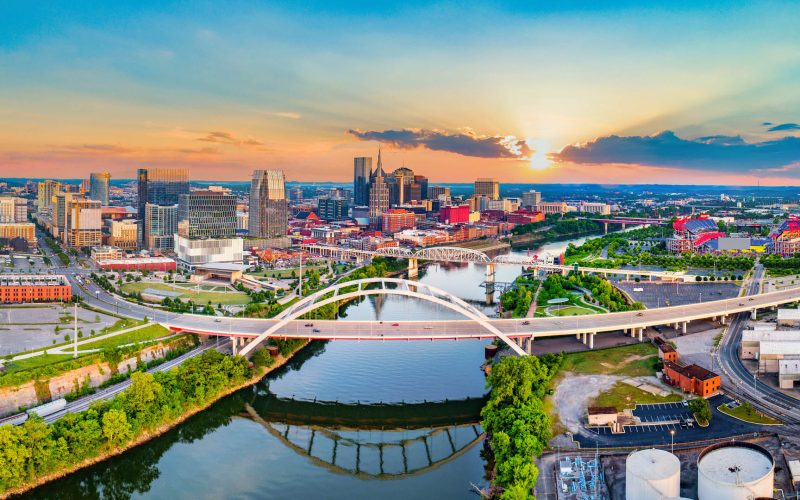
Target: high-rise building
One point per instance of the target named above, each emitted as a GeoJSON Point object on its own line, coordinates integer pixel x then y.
{"type": "Point", "coordinates": [98, 187]}
{"type": "Point", "coordinates": [399, 183]}
{"type": "Point", "coordinates": [84, 223]}
{"type": "Point", "coordinates": [487, 187]}
{"type": "Point", "coordinates": [192, 252]}
{"type": "Point", "coordinates": [435, 191]}
{"type": "Point", "coordinates": [422, 181]}
{"type": "Point", "coordinates": [13, 209]}
{"type": "Point", "coordinates": [269, 217]}
{"type": "Point", "coordinates": [531, 199]}
{"type": "Point", "coordinates": [160, 226]}
{"type": "Point", "coordinates": [207, 214]}
{"type": "Point", "coordinates": [454, 215]}
{"type": "Point", "coordinates": [331, 209]}
{"type": "Point", "coordinates": [123, 234]}
{"type": "Point", "coordinates": [160, 186]}
{"type": "Point", "coordinates": [395, 220]}
{"type": "Point", "coordinates": [44, 196]}
{"type": "Point", "coordinates": [362, 169]}
{"type": "Point", "coordinates": [378, 196]}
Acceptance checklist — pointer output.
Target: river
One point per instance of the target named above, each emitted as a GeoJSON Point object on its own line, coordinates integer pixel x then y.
{"type": "Point", "coordinates": [340, 420]}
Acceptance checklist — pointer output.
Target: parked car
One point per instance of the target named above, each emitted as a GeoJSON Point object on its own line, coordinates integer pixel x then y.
{"type": "Point", "coordinates": [526, 322]}
{"type": "Point", "coordinates": [316, 330]}
{"type": "Point", "coordinates": [309, 324]}
{"type": "Point", "coordinates": [395, 324]}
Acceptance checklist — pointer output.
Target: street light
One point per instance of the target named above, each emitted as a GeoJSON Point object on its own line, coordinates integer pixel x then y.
{"type": "Point", "coordinates": [672, 440]}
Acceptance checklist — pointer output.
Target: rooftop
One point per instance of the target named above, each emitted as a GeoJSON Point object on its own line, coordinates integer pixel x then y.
{"type": "Point", "coordinates": [691, 371]}
{"type": "Point", "coordinates": [33, 280]}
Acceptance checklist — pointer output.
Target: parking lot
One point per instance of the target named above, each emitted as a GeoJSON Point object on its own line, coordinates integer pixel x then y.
{"type": "Point", "coordinates": [655, 294]}
{"type": "Point", "coordinates": [654, 431]}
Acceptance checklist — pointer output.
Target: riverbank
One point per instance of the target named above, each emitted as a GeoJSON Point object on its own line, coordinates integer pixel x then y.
{"type": "Point", "coordinates": [523, 240]}
{"type": "Point", "coordinates": [488, 245]}
{"type": "Point", "coordinates": [259, 373]}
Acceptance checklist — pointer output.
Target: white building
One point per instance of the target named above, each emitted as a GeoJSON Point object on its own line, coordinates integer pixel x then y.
{"type": "Point", "coordinates": [594, 208]}
{"type": "Point", "coordinates": [192, 252]}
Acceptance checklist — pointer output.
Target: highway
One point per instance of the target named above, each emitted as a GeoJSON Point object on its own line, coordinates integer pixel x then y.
{"type": "Point", "coordinates": [766, 397]}
{"type": "Point", "coordinates": [109, 392]}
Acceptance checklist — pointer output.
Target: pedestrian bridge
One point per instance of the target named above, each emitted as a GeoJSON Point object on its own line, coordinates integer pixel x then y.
{"type": "Point", "coordinates": [517, 333]}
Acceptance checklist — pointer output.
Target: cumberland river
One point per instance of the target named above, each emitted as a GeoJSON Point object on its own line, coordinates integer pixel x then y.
{"type": "Point", "coordinates": [340, 420]}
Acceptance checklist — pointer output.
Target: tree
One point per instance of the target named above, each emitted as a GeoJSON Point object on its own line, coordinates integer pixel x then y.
{"type": "Point", "coordinates": [116, 428]}
{"type": "Point", "coordinates": [701, 409]}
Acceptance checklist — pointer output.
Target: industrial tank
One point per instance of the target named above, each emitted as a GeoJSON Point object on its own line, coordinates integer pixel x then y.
{"type": "Point", "coordinates": [735, 471]}
{"type": "Point", "coordinates": [652, 474]}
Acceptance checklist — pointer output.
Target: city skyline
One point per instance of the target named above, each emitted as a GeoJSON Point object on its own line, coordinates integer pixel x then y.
{"type": "Point", "coordinates": [696, 93]}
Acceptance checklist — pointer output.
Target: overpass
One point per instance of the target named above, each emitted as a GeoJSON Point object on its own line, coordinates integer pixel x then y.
{"type": "Point", "coordinates": [519, 333]}
{"type": "Point", "coordinates": [467, 255]}
{"type": "Point", "coordinates": [627, 221]}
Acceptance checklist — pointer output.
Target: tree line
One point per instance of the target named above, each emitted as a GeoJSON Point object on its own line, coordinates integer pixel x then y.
{"type": "Point", "coordinates": [515, 421]}
{"type": "Point", "coordinates": [35, 449]}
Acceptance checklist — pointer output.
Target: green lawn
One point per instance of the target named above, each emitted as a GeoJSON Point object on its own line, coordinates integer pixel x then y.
{"type": "Point", "coordinates": [36, 362]}
{"type": "Point", "coordinates": [121, 324]}
{"type": "Point", "coordinates": [748, 415]}
{"type": "Point", "coordinates": [569, 311]}
{"type": "Point", "coordinates": [622, 395]}
{"type": "Point", "coordinates": [286, 273]}
{"type": "Point", "coordinates": [201, 297]}
{"type": "Point", "coordinates": [630, 360]}
{"type": "Point", "coordinates": [143, 334]}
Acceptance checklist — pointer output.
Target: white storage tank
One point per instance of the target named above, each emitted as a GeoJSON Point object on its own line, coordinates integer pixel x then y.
{"type": "Point", "coordinates": [652, 474]}
{"type": "Point", "coordinates": [735, 471]}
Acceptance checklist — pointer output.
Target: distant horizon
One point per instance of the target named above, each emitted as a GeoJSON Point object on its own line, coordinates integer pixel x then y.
{"type": "Point", "coordinates": [529, 92]}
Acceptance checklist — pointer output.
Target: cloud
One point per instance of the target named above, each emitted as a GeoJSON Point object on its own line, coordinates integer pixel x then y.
{"type": "Point", "coordinates": [783, 127]}
{"type": "Point", "coordinates": [291, 115]}
{"type": "Point", "coordinates": [717, 153]}
{"type": "Point", "coordinates": [229, 138]}
{"type": "Point", "coordinates": [466, 143]}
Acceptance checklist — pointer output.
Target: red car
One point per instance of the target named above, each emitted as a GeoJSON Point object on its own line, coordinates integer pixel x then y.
{"type": "Point", "coordinates": [395, 324]}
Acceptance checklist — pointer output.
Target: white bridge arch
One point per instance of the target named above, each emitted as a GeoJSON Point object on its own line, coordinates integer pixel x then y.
{"type": "Point", "coordinates": [404, 288]}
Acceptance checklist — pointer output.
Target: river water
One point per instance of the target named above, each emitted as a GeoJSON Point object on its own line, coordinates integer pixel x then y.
{"type": "Point", "coordinates": [340, 420]}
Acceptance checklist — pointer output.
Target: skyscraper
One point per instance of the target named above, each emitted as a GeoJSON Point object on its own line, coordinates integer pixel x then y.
{"type": "Point", "coordinates": [487, 187]}
{"type": "Point", "coordinates": [45, 193]}
{"type": "Point", "coordinates": [160, 186]}
{"type": "Point", "coordinates": [531, 199]}
{"type": "Point", "coordinates": [160, 226]}
{"type": "Point", "coordinates": [269, 216]}
{"type": "Point", "coordinates": [98, 187]}
{"type": "Point", "coordinates": [362, 169]}
{"type": "Point", "coordinates": [207, 214]}
{"type": "Point", "coordinates": [378, 196]}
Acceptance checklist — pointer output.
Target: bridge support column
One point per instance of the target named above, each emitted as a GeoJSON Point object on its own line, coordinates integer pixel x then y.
{"type": "Point", "coordinates": [578, 336]}
{"type": "Point", "coordinates": [585, 338]}
{"type": "Point", "coordinates": [234, 342]}
{"type": "Point", "coordinates": [722, 320]}
{"type": "Point", "coordinates": [591, 340]}
{"type": "Point", "coordinates": [624, 225]}
{"type": "Point", "coordinates": [413, 268]}
{"type": "Point", "coordinates": [753, 314]}
{"type": "Point", "coordinates": [528, 345]}
{"type": "Point", "coordinates": [683, 327]}
{"type": "Point", "coordinates": [641, 334]}
{"type": "Point", "coordinates": [605, 227]}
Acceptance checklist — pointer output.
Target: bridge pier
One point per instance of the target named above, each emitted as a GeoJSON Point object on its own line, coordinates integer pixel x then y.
{"type": "Point", "coordinates": [605, 227]}
{"type": "Point", "coordinates": [234, 342]}
{"type": "Point", "coordinates": [413, 268]}
{"type": "Point", "coordinates": [584, 338]}
{"type": "Point", "coordinates": [722, 320]}
{"type": "Point", "coordinates": [591, 340]}
{"type": "Point", "coordinates": [641, 334]}
{"type": "Point", "coordinates": [624, 225]}
{"type": "Point", "coordinates": [753, 315]}
{"type": "Point", "coordinates": [683, 327]}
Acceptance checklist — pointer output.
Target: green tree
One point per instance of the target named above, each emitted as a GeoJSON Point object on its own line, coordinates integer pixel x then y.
{"type": "Point", "coordinates": [116, 428]}
{"type": "Point", "coordinates": [701, 409]}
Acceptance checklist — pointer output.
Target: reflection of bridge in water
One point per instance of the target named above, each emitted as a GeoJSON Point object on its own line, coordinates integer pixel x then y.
{"type": "Point", "coordinates": [371, 441]}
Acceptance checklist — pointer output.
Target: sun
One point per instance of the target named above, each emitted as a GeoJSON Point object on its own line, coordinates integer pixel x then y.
{"type": "Point", "coordinates": [539, 159]}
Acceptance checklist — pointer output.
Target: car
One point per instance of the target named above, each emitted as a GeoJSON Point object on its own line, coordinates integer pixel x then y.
{"type": "Point", "coordinates": [685, 403]}
{"type": "Point", "coordinates": [395, 324]}
{"type": "Point", "coordinates": [316, 330]}
{"type": "Point", "coordinates": [217, 320]}
{"type": "Point", "coordinates": [640, 314]}
{"type": "Point", "coordinates": [741, 303]}
{"type": "Point", "coordinates": [428, 327]}
{"type": "Point", "coordinates": [309, 324]}
{"type": "Point", "coordinates": [751, 299]}
{"type": "Point", "coordinates": [526, 322]}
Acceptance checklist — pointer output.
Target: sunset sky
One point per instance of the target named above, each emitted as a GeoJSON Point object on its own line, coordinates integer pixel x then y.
{"type": "Point", "coordinates": [540, 92]}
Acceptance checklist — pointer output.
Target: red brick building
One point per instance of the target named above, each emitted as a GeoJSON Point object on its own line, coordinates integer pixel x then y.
{"type": "Point", "coordinates": [525, 217]}
{"type": "Point", "coordinates": [397, 219]}
{"type": "Point", "coordinates": [18, 288]}
{"type": "Point", "coordinates": [692, 378]}
{"type": "Point", "coordinates": [665, 350]}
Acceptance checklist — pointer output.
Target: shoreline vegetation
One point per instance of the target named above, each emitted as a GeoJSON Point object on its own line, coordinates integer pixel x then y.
{"type": "Point", "coordinates": [36, 453]}
{"type": "Point", "coordinates": [109, 427]}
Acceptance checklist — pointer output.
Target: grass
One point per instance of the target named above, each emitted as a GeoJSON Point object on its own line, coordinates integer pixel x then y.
{"type": "Point", "coordinates": [202, 297]}
{"type": "Point", "coordinates": [748, 415]}
{"type": "Point", "coordinates": [36, 362]}
{"type": "Point", "coordinates": [122, 324]}
{"type": "Point", "coordinates": [622, 395]}
{"type": "Point", "coordinates": [144, 334]}
{"type": "Point", "coordinates": [286, 273]}
{"type": "Point", "coordinates": [630, 360]}
{"type": "Point", "coordinates": [570, 311]}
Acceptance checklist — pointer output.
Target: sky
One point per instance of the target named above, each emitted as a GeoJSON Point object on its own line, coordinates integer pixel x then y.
{"type": "Point", "coordinates": [537, 92]}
